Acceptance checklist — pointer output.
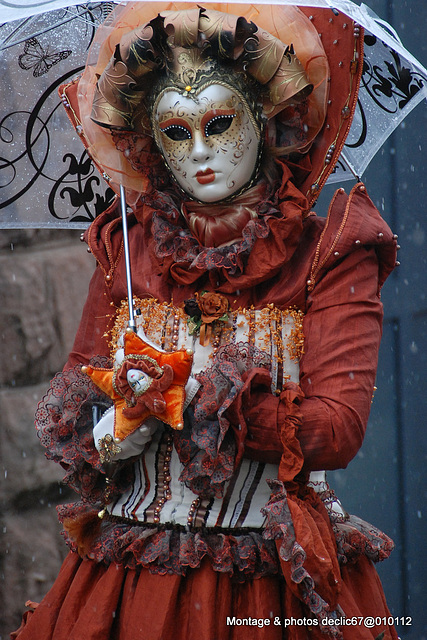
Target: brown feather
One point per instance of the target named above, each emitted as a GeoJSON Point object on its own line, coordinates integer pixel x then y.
{"type": "Point", "coordinates": [83, 530]}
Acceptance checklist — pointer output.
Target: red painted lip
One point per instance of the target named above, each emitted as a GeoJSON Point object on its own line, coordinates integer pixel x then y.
{"type": "Point", "coordinates": [204, 177]}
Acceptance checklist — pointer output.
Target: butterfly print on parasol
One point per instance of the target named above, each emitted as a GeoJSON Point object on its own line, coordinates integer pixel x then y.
{"type": "Point", "coordinates": [38, 59]}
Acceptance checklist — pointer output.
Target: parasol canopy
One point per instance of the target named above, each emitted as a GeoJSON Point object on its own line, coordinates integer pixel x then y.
{"type": "Point", "coordinates": [46, 177]}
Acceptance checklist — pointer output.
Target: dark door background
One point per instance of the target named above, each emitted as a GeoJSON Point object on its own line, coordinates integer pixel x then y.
{"type": "Point", "coordinates": [386, 483]}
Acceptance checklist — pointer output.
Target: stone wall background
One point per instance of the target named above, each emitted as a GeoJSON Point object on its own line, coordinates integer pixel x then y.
{"type": "Point", "coordinates": [44, 276]}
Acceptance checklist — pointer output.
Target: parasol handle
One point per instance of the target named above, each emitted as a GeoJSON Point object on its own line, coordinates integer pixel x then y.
{"type": "Point", "coordinates": [131, 323]}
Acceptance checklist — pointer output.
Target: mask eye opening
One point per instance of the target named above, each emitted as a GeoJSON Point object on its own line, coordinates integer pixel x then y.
{"type": "Point", "coordinates": [176, 132]}
{"type": "Point", "coordinates": [218, 125]}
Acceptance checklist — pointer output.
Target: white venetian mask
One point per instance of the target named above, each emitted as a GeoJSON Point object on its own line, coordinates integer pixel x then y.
{"type": "Point", "coordinates": [210, 141]}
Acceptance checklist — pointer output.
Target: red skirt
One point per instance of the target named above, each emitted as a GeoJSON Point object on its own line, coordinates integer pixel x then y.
{"type": "Point", "coordinates": [93, 601]}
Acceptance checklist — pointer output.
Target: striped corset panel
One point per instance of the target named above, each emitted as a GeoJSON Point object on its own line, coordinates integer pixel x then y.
{"type": "Point", "coordinates": [244, 496]}
{"type": "Point", "coordinates": [157, 496]}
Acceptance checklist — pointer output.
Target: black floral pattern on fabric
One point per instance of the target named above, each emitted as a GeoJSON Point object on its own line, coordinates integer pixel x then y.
{"type": "Point", "coordinates": [207, 446]}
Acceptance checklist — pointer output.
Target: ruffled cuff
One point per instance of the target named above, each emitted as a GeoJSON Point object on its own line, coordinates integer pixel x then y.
{"type": "Point", "coordinates": [64, 421]}
{"type": "Point", "coordinates": [211, 444]}
{"type": "Point", "coordinates": [290, 420]}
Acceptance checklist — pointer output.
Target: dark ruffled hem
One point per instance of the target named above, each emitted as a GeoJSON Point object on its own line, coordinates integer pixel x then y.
{"type": "Point", "coordinates": [280, 527]}
{"type": "Point", "coordinates": [355, 538]}
{"type": "Point", "coordinates": [174, 550]}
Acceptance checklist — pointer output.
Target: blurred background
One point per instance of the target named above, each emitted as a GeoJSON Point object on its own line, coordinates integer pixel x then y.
{"type": "Point", "coordinates": [44, 276]}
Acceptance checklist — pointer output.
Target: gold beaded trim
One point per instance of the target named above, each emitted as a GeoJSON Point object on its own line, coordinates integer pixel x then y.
{"type": "Point", "coordinates": [162, 321]}
{"type": "Point", "coordinates": [163, 492]}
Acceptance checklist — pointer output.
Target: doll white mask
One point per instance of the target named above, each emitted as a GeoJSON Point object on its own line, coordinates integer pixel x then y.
{"type": "Point", "coordinates": [210, 141]}
{"type": "Point", "coordinates": [138, 380]}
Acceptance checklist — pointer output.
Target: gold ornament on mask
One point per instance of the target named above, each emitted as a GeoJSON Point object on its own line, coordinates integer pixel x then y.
{"type": "Point", "coordinates": [184, 46]}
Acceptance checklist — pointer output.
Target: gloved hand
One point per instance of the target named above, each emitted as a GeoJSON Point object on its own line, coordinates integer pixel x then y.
{"type": "Point", "coordinates": [258, 416]}
{"type": "Point", "coordinates": [131, 446]}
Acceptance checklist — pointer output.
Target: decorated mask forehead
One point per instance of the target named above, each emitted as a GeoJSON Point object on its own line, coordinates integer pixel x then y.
{"type": "Point", "coordinates": [210, 140]}
{"type": "Point", "coordinates": [185, 47]}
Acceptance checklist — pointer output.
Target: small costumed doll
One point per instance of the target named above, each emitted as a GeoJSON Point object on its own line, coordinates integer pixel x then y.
{"type": "Point", "coordinates": [198, 442]}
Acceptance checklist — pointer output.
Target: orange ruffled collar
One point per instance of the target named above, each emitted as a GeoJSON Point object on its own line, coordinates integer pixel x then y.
{"type": "Point", "coordinates": [222, 224]}
{"type": "Point", "coordinates": [268, 239]}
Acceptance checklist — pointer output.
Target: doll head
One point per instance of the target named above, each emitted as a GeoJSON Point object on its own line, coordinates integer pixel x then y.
{"type": "Point", "coordinates": [141, 381]}
{"type": "Point", "coordinates": [138, 380]}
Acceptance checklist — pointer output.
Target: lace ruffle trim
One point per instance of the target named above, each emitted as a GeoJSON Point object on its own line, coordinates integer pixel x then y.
{"type": "Point", "coordinates": [355, 538]}
{"type": "Point", "coordinates": [280, 527]}
{"type": "Point", "coordinates": [174, 239]}
{"type": "Point", "coordinates": [208, 448]}
{"type": "Point", "coordinates": [244, 556]}
{"type": "Point", "coordinates": [64, 422]}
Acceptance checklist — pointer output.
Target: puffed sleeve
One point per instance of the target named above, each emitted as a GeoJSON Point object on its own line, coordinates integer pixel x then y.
{"type": "Point", "coordinates": [342, 328]}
